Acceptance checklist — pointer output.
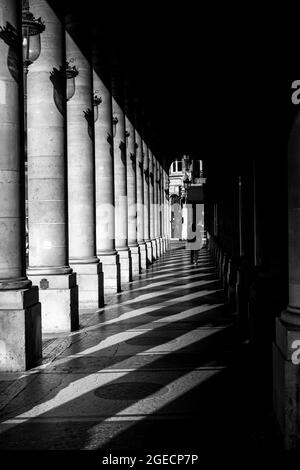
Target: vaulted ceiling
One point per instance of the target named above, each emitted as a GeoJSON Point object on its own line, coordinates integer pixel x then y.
{"type": "Point", "coordinates": [203, 78]}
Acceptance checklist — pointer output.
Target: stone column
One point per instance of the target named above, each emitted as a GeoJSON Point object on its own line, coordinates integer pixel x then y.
{"type": "Point", "coordinates": [167, 210]}
{"type": "Point", "coordinates": [47, 178]}
{"type": "Point", "coordinates": [120, 183]}
{"type": "Point", "coordinates": [149, 253]}
{"type": "Point", "coordinates": [151, 205]}
{"type": "Point", "coordinates": [155, 205]}
{"type": "Point", "coordinates": [131, 191]}
{"type": "Point", "coordinates": [286, 349]}
{"type": "Point", "coordinates": [104, 164]}
{"type": "Point", "coordinates": [160, 209]}
{"type": "Point", "coordinates": [242, 282]}
{"type": "Point", "coordinates": [81, 176]}
{"type": "Point", "coordinates": [140, 200]}
{"type": "Point", "coordinates": [159, 239]}
{"type": "Point", "coordinates": [158, 231]}
{"type": "Point", "coordinates": [20, 310]}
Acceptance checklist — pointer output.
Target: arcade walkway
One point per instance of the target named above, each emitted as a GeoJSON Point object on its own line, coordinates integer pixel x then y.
{"type": "Point", "coordinates": [160, 368]}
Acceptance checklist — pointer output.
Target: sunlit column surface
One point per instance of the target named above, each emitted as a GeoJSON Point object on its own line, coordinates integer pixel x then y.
{"type": "Point", "coordinates": [104, 166]}
{"type": "Point", "coordinates": [140, 198]}
{"type": "Point", "coordinates": [81, 175]}
{"type": "Point", "coordinates": [167, 210]}
{"type": "Point", "coordinates": [131, 191]}
{"type": "Point", "coordinates": [47, 178]}
{"type": "Point", "coordinates": [120, 183]}
{"type": "Point", "coordinates": [20, 311]}
{"type": "Point", "coordinates": [152, 204]}
{"type": "Point", "coordinates": [155, 205]}
{"type": "Point", "coordinates": [160, 210]}
{"type": "Point", "coordinates": [158, 230]}
{"type": "Point", "coordinates": [147, 204]}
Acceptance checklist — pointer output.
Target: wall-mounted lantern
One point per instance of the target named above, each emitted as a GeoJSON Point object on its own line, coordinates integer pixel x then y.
{"type": "Point", "coordinates": [31, 29]}
{"type": "Point", "coordinates": [115, 121]}
{"type": "Point", "coordinates": [96, 101]}
{"type": "Point", "coordinates": [71, 73]}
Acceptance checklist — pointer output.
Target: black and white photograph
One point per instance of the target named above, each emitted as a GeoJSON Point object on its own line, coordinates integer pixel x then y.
{"type": "Point", "coordinates": [149, 235]}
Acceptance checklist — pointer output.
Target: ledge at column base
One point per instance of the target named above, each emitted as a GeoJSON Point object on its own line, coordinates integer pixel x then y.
{"type": "Point", "coordinates": [135, 261]}
{"type": "Point", "coordinates": [59, 299]}
{"type": "Point", "coordinates": [291, 317]}
{"type": "Point", "coordinates": [126, 266]}
{"type": "Point", "coordinates": [154, 249]}
{"type": "Point", "coordinates": [91, 285]}
{"type": "Point", "coordinates": [149, 253]}
{"type": "Point", "coordinates": [143, 256]}
{"type": "Point", "coordinates": [166, 243]}
{"type": "Point", "coordinates": [287, 338]}
{"type": "Point", "coordinates": [20, 337]}
{"type": "Point", "coordinates": [111, 274]}
{"type": "Point", "coordinates": [161, 244]}
{"type": "Point", "coordinates": [53, 281]}
{"type": "Point", "coordinates": [158, 248]}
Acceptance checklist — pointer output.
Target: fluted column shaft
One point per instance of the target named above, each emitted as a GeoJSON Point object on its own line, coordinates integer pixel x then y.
{"type": "Point", "coordinates": [20, 312]}
{"type": "Point", "coordinates": [47, 178]}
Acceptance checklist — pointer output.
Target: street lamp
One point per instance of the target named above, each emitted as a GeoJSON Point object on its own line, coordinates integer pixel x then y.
{"type": "Point", "coordinates": [186, 182]}
{"type": "Point", "coordinates": [186, 185]}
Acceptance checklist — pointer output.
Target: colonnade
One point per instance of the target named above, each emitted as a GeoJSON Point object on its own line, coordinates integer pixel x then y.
{"type": "Point", "coordinates": [97, 191]}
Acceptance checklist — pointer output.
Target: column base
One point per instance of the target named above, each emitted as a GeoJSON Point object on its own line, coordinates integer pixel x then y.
{"type": "Point", "coordinates": [111, 273]}
{"type": "Point", "coordinates": [143, 256]}
{"type": "Point", "coordinates": [90, 284]}
{"type": "Point", "coordinates": [149, 253]}
{"type": "Point", "coordinates": [126, 266]}
{"type": "Point", "coordinates": [286, 383]}
{"type": "Point", "coordinates": [154, 249]}
{"type": "Point", "coordinates": [158, 248]}
{"type": "Point", "coordinates": [59, 298]}
{"type": "Point", "coordinates": [167, 243]}
{"type": "Point", "coordinates": [135, 261]}
{"type": "Point", "coordinates": [161, 246]}
{"type": "Point", "coordinates": [20, 331]}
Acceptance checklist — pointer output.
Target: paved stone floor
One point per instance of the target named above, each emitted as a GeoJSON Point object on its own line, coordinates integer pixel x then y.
{"type": "Point", "coordinates": [158, 369]}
